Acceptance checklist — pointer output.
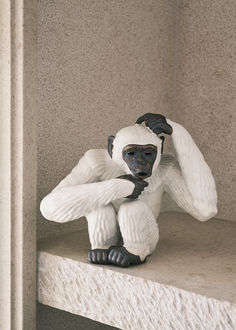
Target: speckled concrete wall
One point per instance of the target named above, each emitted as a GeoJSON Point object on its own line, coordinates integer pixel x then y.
{"type": "Point", "coordinates": [205, 101]}
{"type": "Point", "coordinates": [102, 64]}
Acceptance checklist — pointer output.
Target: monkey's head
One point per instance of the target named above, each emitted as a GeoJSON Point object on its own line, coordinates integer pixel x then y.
{"type": "Point", "coordinates": [137, 150]}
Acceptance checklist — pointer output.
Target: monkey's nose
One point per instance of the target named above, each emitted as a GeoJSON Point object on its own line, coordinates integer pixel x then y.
{"type": "Point", "coordinates": [141, 162]}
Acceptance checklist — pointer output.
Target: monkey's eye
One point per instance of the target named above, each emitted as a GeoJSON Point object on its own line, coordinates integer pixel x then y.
{"type": "Point", "coordinates": [130, 153]}
{"type": "Point", "coordinates": [148, 153]}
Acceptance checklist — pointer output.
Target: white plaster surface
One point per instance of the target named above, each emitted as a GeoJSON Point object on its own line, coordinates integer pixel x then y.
{"type": "Point", "coordinates": [5, 165]}
{"type": "Point", "coordinates": [18, 65]}
{"type": "Point", "coordinates": [188, 283]}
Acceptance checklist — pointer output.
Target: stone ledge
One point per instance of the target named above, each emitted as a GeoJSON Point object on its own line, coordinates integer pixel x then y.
{"type": "Point", "coordinates": [188, 283]}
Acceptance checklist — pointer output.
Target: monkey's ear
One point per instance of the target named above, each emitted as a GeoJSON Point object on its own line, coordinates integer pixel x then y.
{"type": "Point", "coordinates": [162, 145]}
{"type": "Point", "coordinates": [110, 140]}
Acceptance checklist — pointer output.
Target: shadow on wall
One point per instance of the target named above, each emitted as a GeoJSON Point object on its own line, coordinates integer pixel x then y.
{"type": "Point", "coordinates": [49, 318]}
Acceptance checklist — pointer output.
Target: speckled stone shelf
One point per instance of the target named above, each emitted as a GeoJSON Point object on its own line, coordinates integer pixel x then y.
{"type": "Point", "coordinates": [188, 283]}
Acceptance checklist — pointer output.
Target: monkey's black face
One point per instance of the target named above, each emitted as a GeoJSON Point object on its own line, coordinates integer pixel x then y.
{"type": "Point", "coordinates": [140, 159]}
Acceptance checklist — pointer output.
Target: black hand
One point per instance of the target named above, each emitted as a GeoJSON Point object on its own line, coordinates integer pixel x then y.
{"type": "Point", "coordinates": [156, 122]}
{"type": "Point", "coordinates": [139, 185]}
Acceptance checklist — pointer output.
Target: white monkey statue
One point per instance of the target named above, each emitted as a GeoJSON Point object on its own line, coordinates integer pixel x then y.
{"type": "Point", "coordinates": [119, 190]}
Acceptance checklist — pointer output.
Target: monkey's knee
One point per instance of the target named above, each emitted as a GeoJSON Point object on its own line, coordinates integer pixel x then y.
{"type": "Point", "coordinates": [134, 206]}
{"type": "Point", "coordinates": [135, 214]}
{"type": "Point", "coordinates": [138, 228]}
{"type": "Point", "coordinates": [103, 227]}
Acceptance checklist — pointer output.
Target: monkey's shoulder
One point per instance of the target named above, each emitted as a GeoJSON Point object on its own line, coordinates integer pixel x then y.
{"type": "Point", "coordinates": [100, 162]}
{"type": "Point", "coordinates": [94, 156]}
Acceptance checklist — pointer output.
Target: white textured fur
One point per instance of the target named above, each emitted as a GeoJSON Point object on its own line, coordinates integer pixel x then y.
{"type": "Point", "coordinates": [92, 190]}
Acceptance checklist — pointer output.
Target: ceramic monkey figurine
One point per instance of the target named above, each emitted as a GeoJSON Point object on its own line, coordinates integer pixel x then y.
{"type": "Point", "coordinates": [119, 189]}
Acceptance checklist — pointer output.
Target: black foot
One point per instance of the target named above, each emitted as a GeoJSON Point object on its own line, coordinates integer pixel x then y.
{"type": "Point", "coordinates": [99, 256]}
{"type": "Point", "coordinates": [119, 256]}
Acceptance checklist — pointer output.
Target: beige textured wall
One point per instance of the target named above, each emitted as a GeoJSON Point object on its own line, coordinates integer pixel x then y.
{"type": "Point", "coordinates": [104, 63]}
{"type": "Point", "coordinates": [205, 101]}
{"type": "Point", "coordinates": [101, 65]}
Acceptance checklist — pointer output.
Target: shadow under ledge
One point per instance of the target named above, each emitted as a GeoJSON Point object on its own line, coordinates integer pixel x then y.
{"type": "Point", "coordinates": [189, 282]}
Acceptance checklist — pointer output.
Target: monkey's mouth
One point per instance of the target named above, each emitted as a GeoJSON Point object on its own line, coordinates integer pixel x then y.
{"type": "Point", "coordinates": [142, 175]}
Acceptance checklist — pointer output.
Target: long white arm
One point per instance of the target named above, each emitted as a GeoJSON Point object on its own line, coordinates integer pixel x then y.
{"type": "Point", "coordinates": [79, 193]}
{"type": "Point", "coordinates": [190, 183]}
